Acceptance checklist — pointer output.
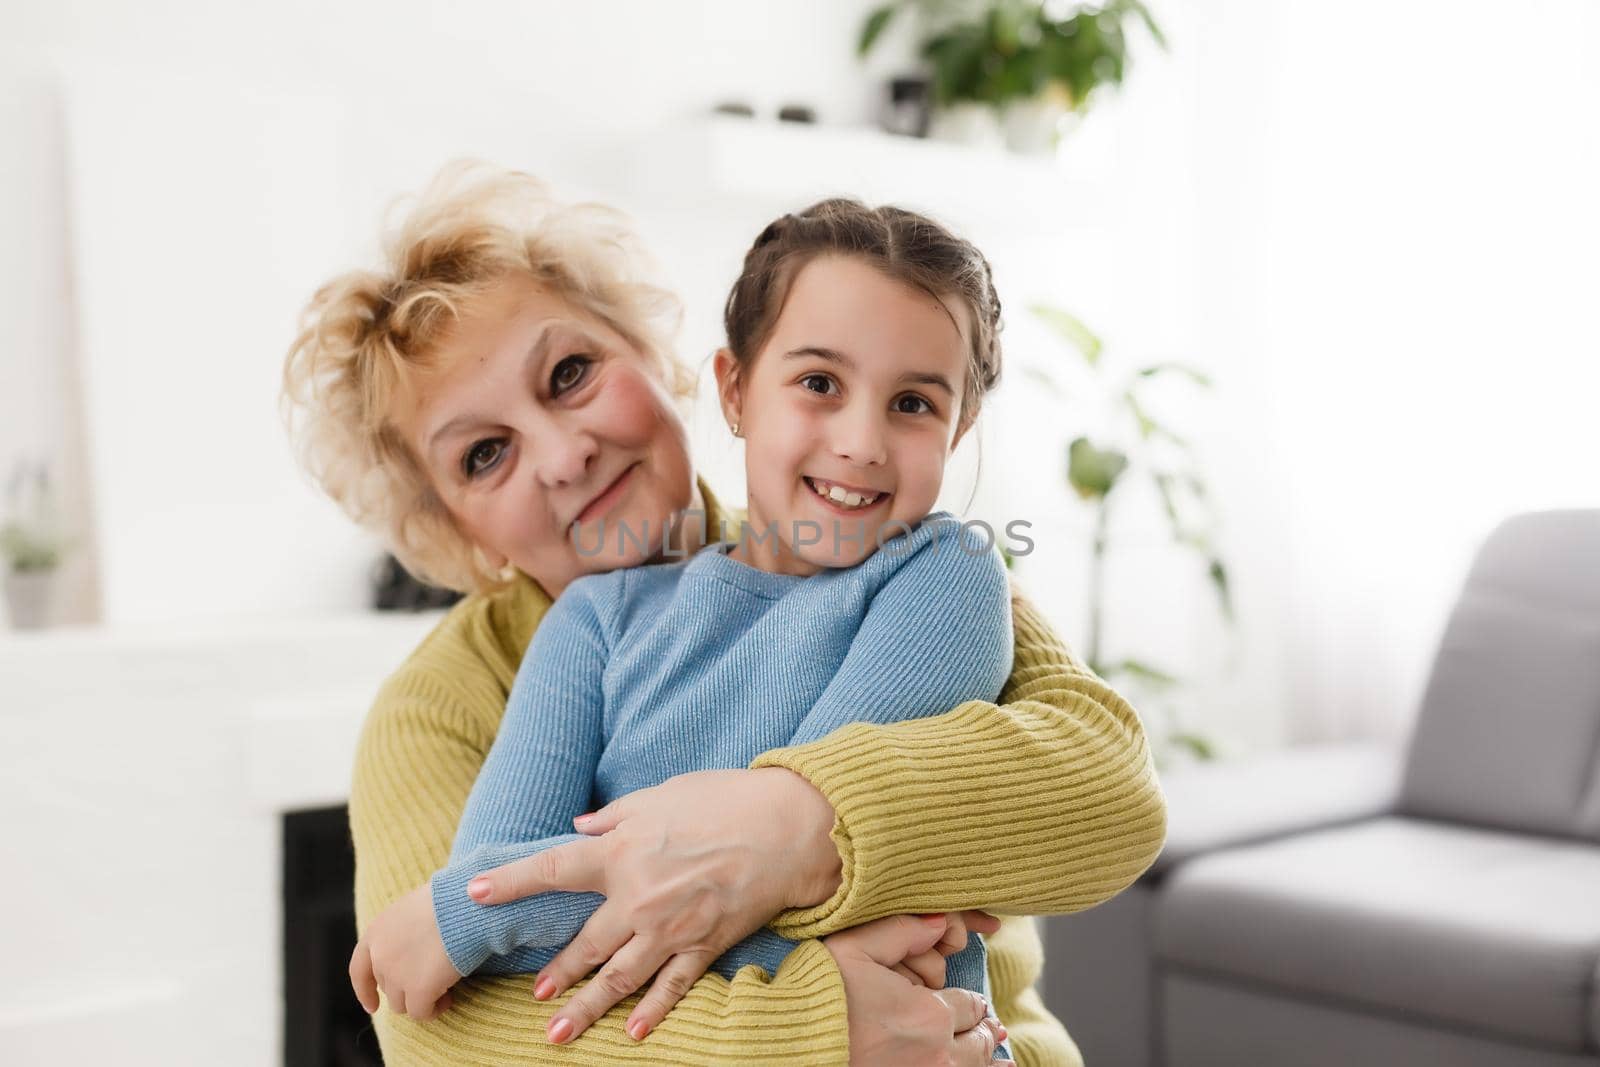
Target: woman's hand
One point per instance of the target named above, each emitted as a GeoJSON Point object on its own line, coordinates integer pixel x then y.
{"type": "Point", "coordinates": [688, 869]}
{"type": "Point", "coordinates": [403, 954]}
{"type": "Point", "coordinates": [895, 1020]}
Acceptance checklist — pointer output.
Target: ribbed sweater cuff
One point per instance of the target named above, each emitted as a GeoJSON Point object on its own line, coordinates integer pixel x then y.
{"type": "Point", "coordinates": [474, 932]}
{"type": "Point", "coordinates": [797, 1020]}
{"type": "Point", "coordinates": [893, 858]}
{"type": "Point", "coordinates": [799, 1017]}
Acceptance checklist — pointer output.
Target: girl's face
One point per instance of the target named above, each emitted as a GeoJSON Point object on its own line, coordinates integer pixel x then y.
{"type": "Point", "coordinates": [856, 395]}
{"type": "Point", "coordinates": [539, 417]}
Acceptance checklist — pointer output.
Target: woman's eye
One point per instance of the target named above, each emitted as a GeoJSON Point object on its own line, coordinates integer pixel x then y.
{"type": "Point", "coordinates": [911, 404]}
{"type": "Point", "coordinates": [568, 373]}
{"type": "Point", "coordinates": [817, 383]}
{"type": "Point", "coordinates": [481, 456]}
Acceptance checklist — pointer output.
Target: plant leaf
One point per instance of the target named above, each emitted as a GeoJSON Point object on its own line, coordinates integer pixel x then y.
{"type": "Point", "coordinates": [1149, 21]}
{"type": "Point", "coordinates": [1048, 381]}
{"type": "Point", "coordinates": [1071, 329]}
{"type": "Point", "coordinates": [1147, 425]}
{"type": "Point", "coordinates": [1092, 471]}
{"type": "Point", "coordinates": [1219, 578]}
{"type": "Point", "coordinates": [1200, 745]}
{"type": "Point", "coordinates": [1163, 482]}
{"type": "Point", "coordinates": [1145, 672]}
{"type": "Point", "coordinates": [874, 26]}
{"type": "Point", "coordinates": [1197, 376]}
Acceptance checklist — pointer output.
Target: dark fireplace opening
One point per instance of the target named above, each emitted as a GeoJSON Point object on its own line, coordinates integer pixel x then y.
{"type": "Point", "coordinates": [323, 1024]}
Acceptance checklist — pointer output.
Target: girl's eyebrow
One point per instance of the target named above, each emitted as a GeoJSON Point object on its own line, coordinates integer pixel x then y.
{"type": "Point", "coordinates": [829, 354]}
{"type": "Point", "coordinates": [835, 356]}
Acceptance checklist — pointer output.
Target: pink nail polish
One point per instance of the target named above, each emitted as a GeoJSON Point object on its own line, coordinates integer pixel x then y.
{"type": "Point", "coordinates": [544, 989]}
{"type": "Point", "coordinates": [637, 1029]}
{"type": "Point", "coordinates": [478, 888]}
{"type": "Point", "coordinates": [560, 1030]}
{"type": "Point", "coordinates": [581, 819]}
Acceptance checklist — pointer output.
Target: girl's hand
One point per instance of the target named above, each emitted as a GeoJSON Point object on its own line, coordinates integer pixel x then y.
{"type": "Point", "coordinates": [403, 954]}
{"type": "Point", "coordinates": [688, 868]}
{"type": "Point", "coordinates": [892, 1019]}
{"type": "Point", "coordinates": [927, 968]}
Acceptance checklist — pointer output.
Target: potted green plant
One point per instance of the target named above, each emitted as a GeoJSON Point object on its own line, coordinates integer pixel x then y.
{"type": "Point", "coordinates": [1016, 63]}
{"type": "Point", "coordinates": [32, 547]}
{"type": "Point", "coordinates": [1136, 445]}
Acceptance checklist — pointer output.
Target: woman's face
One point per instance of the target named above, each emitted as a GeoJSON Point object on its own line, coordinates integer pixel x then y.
{"type": "Point", "coordinates": [537, 417]}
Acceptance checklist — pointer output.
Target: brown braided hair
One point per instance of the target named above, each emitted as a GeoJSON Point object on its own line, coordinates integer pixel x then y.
{"type": "Point", "coordinates": [904, 245]}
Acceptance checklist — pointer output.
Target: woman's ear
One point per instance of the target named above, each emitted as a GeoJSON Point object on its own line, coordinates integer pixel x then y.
{"type": "Point", "coordinates": [727, 370]}
{"type": "Point", "coordinates": [491, 561]}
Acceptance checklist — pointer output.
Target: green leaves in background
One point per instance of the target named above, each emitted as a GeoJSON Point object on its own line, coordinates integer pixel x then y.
{"type": "Point", "coordinates": [877, 21]}
{"type": "Point", "coordinates": [1070, 329]}
{"type": "Point", "coordinates": [1002, 51]}
{"type": "Point", "coordinates": [31, 541]}
{"type": "Point", "coordinates": [1092, 471]}
{"type": "Point", "coordinates": [1158, 452]}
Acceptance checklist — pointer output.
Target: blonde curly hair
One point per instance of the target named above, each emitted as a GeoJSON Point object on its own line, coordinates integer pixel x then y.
{"type": "Point", "coordinates": [366, 333]}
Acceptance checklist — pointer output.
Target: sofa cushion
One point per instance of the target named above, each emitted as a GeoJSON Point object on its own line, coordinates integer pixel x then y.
{"type": "Point", "coordinates": [1485, 930]}
{"type": "Point", "coordinates": [1508, 733]}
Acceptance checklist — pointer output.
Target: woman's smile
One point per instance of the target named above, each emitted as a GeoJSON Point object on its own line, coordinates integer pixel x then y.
{"type": "Point", "coordinates": [608, 497]}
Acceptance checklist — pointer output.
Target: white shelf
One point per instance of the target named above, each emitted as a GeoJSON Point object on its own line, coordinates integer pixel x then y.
{"type": "Point", "coordinates": [787, 165]}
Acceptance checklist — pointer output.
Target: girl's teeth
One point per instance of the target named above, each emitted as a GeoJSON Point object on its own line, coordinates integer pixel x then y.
{"type": "Point", "coordinates": [843, 496]}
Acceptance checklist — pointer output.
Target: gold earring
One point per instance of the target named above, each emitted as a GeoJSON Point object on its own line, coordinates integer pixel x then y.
{"type": "Point", "coordinates": [736, 429]}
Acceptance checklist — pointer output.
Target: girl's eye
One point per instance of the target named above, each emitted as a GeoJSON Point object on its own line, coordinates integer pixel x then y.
{"type": "Point", "coordinates": [911, 404]}
{"type": "Point", "coordinates": [817, 383]}
{"type": "Point", "coordinates": [568, 373]}
{"type": "Point", "coordinates": [482, 456]}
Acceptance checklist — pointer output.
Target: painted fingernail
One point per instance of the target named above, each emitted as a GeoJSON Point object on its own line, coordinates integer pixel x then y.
{"type": "Point", "coordinates": [1001, 1030]}
{"type": "Point", "coordinates": [932, 917]}
{"type": "Point", "coordinates": [581, 819]}
{"type": "Point", "coordinates": [637, 1029]}
{"type": "Point", "coordinates": [544, 989]}
{"type": "Point", "coordinates": [478, 888]}
{"type": "Point", "coordinates": [560, 1030]}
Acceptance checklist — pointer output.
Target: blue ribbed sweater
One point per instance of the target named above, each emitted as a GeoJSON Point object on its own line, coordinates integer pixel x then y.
{"type": "Point", "coordinates": [643, 673]}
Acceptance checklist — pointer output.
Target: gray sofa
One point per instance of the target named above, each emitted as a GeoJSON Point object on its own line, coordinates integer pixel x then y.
{"type": "Point", "coordinates": [1347, 905]}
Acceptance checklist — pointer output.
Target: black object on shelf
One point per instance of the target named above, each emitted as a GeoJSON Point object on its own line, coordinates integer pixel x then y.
{"type": "Point", "coordinates": [323, 1023]}
{"type": "Point", "coordinates": [796, 113]}
{"type": "Point", "coordinates": [395, 589]}
{"type": "Point", "coordinates": [910, 107]}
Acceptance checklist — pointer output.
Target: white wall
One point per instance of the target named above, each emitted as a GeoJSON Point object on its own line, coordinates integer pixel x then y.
{"type": "Point", "coordinates": [208, 167]}
{"type": "Point", "coordinates": [1397, 260]}
{"type": "Point", "coordinates": [1375, 231]}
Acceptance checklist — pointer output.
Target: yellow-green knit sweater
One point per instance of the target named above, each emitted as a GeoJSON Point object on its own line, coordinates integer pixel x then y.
{"type": "Point", "coordinates": [1045, 803]}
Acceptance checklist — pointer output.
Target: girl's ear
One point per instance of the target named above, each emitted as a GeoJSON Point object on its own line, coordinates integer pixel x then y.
{"type": "Point", "coordinates": [727, 370]}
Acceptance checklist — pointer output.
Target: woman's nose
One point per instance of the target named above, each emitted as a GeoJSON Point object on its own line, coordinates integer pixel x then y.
{"type": "Point", "coordinates": [561, 454]}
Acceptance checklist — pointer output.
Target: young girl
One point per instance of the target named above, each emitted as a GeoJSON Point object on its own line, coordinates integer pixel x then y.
{"type": "Point", "coordinates": [860, 343]}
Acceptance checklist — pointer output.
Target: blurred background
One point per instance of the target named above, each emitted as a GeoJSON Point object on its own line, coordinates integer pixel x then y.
{"type": "Point", "coordinates": [1300, 302]}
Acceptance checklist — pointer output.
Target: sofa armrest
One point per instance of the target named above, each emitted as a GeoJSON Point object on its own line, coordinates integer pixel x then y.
{"type": "Point", "coordinates": [1307, 787]}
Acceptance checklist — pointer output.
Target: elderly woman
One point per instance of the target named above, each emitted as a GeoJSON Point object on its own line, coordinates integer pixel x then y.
{"type": "Point", "coordinates": [1043, 803]}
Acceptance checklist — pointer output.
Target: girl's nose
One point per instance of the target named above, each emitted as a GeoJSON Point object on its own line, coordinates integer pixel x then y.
{"type": "Point", "coordinates": [858, 436]}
